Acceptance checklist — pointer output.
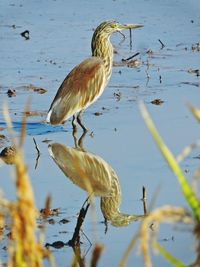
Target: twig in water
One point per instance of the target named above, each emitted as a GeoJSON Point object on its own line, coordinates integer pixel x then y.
{"type": "Point", "coordinates": [130, 34]}
{"type": "Point", "coordinates": [147, 73]}
{"type": "Point", "coordinates": [25, 34]}
{"type": "Point", "coordinates": [38, 153]}
{"type": "Point", "coordinates": [75, 241]}
{"type": "Point", "coordinates": [161, 43]}
{"type": "Point", "coordinates": [148, 77]}
{"type": "Point", "coordinates": [36, 146]}
{"type": "Point", "coordinates": [135, 55]}
{"type": "Point", "coordinates": [143, 193]}
{"type": "Point", "coordinates": [144, 200]}
{"type": "Point", "coordinates": [160, 77]}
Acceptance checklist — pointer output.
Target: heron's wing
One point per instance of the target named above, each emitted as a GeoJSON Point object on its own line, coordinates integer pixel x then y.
{"type": "Point", "coordinates": [82, 86]}
{"type": "Point", "coordinates": [90, 172]}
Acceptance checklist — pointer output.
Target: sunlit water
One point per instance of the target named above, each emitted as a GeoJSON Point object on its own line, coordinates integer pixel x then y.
{"type": "Point", "coordinates": [60, 34]}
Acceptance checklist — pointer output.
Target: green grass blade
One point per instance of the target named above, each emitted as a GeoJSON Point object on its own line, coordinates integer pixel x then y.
{"type": "Point", "coordinates": [167, 255]}
{"type": "Point", "coordinates": [189, 195]}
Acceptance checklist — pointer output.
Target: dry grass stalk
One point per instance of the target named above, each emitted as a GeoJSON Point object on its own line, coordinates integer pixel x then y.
{"type": "Point", "coordinates": [195, 180]}
{"type": "Point", "coordinates": [24, 248]}
{"type": "Point", "coordinates": [187, 150]}
{"type": "Point", "coordinates": [98, 249]}
{"type": "Point", "coordinates": [147, 232]}
{"type": "Point", "coordinates": [165, 214]}
{"type": "Point", "coordinates": [195, 111]}
{"type": "Point", "coordinates": [187, 191]}
{"type": "Point", "coordinates": [1, 223]}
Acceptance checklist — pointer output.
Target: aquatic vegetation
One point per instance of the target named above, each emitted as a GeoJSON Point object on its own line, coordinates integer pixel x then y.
{"type": "Point", "coordinates": [148, 229]}
{"type": "Point", "coordinates": [24, 248]}
{"type": "Point", "coordinates": [188, 193]}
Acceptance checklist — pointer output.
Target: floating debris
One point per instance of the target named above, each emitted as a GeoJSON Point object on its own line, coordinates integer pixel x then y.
{"type": "Point", "coordinates": [49, 212]}
{"type": "Point", "coordinates": [134, 63]}
{"type": "Point", "coordinates": [34, 113]}
{"type": "Point", "coordinates": [25, 34]}
{"type": "Point", "coordinates": [157, 101]}
{"type": "Point", "coordinates": [39, 90]}
{"type": "Point", "coordinates": [150, 52]}
{"type": "Point", "coordinates": [11, 93]}
{"type": "Point", "coordinates": [52, 62]}
{"type": "Point", "coordinates": [64, 221]}
{"type": "Point", "coordinates": [118, 96]}
{"type": "Point", "coordinates": [130, 62]}
{"type": "Point", "coordinates": [46, 141]}
{"type": "Point", "coordinates": [33, 88]}
{"type": "Point", "coordinates": [51, 221]}
{"type": "Point", "coordinates": [196, 71]}
{"type": "Point", "coordinates": [196, 84]}
{"type": "Point", "coordinates": [196, 157]}
{"type": "Point", "coordinates": [98, 113]}
{"type": "Point", "coordinates": [56, 244]}
{"type": "Point", "coordinates": [162, 45]}
{"type": "Point", "coordinates": [127, 59]}
{"type": "Point", "coordinates": [196, 47]}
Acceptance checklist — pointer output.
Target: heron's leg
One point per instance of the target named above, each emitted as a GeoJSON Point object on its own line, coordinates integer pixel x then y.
{"type": "Point", "coordinates": [80, 141]}
{"type": "Point", "coordinates": [79, 120]}
{"type": "Point", "coordinates": [74, 132]}
{"type": "Point", "coordinates": [74, 125]}
{"type": "Point", "coordinates": [75, 139]}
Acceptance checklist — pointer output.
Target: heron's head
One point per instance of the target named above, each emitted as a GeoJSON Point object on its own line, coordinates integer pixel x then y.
{"type": "Point", "coordinates": [109, 27]}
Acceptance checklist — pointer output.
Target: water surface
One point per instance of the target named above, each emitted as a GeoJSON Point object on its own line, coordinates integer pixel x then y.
{"type": "Point", "coordinates": [60, 35]}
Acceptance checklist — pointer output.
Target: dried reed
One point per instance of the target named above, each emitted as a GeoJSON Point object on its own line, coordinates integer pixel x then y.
{"type": "Point", "coordinates": [24, 249]}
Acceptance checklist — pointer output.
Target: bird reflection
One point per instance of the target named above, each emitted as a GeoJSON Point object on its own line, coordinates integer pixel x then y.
{"type": "Point", "coordinates": [94, 175]}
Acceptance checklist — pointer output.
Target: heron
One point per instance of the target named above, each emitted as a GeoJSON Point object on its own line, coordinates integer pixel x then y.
{"type": "Point", "coordinates": [87, 81]}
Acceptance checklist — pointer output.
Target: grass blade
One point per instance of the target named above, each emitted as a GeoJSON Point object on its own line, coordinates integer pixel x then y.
{"type": "Point", "coordinates": [186, 189]}
{"type": "Point", "coordinates": [167, 255]}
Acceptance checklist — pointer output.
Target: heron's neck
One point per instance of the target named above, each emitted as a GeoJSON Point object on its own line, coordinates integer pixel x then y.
{"type": "Point", "coordinates": [102, 48]}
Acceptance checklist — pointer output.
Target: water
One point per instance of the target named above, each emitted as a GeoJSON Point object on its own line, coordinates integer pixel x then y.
{"type": "Point", "coordinates": [60, 35]}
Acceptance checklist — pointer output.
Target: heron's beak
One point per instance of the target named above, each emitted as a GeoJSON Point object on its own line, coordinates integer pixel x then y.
{"type": "Point", "coordinates": [130, 26]}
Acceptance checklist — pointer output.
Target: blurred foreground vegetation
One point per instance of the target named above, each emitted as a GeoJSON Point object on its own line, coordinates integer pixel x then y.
{"type": "Point", "coordinates": [26, 246]}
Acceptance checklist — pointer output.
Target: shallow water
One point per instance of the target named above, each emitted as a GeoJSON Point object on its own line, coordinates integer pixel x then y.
{"type": "Point", "coordinates": [60, 34]}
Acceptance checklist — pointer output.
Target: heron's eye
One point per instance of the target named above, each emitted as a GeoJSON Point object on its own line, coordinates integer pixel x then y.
{"type": "Point", "coordinates": [113, 25]}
